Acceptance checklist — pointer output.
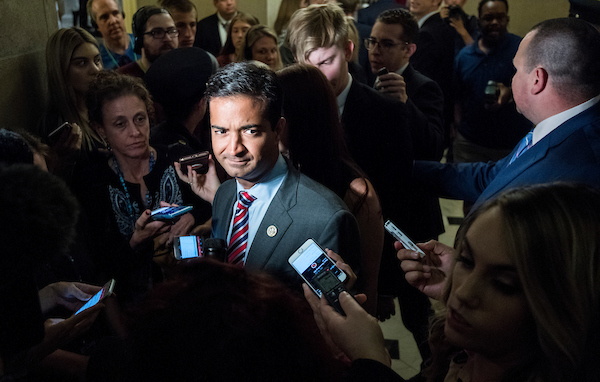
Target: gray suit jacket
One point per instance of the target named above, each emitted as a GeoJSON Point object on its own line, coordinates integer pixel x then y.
{"type": "Point", "coordinates": [301, 209]}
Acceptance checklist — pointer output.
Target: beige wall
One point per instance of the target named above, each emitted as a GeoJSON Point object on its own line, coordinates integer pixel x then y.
{"type": "Point", "coordinates": [26, 26]}
{"type": "Point", "coordinates": [524, 14]}
{"type": "Point", "coordinates": [24, 30]}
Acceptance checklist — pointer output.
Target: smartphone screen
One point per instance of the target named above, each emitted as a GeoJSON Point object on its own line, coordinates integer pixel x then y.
{"type": "Point", "coordinates": [104, 292]}
{"type": "Point", "coordinates": [190, 247]}
{"type": "Point", "coordinates": [311, 261]}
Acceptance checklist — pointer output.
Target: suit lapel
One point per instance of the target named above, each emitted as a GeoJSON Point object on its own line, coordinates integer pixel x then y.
{"type": "Point", "coordinates": [539, 151]}
{"type": "Point", "coordinates": [267, 239]}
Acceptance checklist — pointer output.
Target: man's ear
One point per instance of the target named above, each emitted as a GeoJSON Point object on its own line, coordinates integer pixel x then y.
{"type": "Point", "coordinates": [540, 80]}
{"type": "Point", "coordinates": [412, 48]}
{"type": "Point", "coordinates": [280, 127]}
{"type": "Point", "coordinates": [348, 49]}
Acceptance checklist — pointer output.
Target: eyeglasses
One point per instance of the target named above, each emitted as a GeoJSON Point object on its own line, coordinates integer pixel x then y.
{"type": "Point", "coordinates": [159, 33]}
{"type": "Point", "coordinates": [383, 44]}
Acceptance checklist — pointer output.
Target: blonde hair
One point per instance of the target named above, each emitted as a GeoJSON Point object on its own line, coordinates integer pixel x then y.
{"type": "Point", "coordinates": [553, 235]}
{"type": "Point", "coordinates": [316, 26]}
{"type": "Point", "coordinates": [62, 99]}
{"type": "Point", "coordinates": [256, 33]}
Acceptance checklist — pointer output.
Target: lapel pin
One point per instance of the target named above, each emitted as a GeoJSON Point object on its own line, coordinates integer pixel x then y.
{"type": "Point", "coordinates": [272, 231]}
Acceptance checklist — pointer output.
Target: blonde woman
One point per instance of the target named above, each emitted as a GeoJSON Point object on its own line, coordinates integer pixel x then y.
{"type": "Point", "coordinates": [261, 45]}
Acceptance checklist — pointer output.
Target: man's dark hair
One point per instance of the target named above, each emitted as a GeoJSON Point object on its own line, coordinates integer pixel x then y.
{"type": "Point", "coordinates": [402, 17]}
{"type": "Point", "coordinates": [482, 2]}
{"type": "Point", "coordinates": [569, 50]}
{"type": "Point", "coordinates": [248, 79]}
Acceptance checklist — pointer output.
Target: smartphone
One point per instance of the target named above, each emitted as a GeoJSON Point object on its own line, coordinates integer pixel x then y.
{"type": "Point", "coordinates": [319, 271]}
{"type": "Point", "coordinates": [401, 237]}
{"type": "Point", "coordinates": [187, 247]}
{"type": "Point", "coordinates": [382, 71]}
{"type": "Point", "coordinates": [106, 291]}
{"type": "Point", "coordinates": [198, 161]}
{"type": "Point", "coordinates": [56, 133]}
{"type": "Point", "coordinates": [170, 213]}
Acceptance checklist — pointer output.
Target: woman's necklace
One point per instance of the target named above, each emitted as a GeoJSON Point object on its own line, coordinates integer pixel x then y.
{"type": "Point", "coordinates": [146, 202]}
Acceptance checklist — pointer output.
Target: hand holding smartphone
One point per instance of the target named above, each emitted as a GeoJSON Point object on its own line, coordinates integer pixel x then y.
{"type": "Point", "coordinates": [56, 133]}
{"type": "Point", "coordinates": [198, 161]}
{"type": "Point", "coordinates": [169, 214]}
{"type": "Point", "coordinates": [401, 237]}
{"type": "Point", "coordinates": [106, 291]}
{"type": "Point", "coordinates": [319, 272]}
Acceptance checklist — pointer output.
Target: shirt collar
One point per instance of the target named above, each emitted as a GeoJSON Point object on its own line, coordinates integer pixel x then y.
{"type": "Point", "coordinates": [549, 124]}
{"type": "Point", "coordinates": [341, 99]}
{"type": "Point", "coordinates": [424, 18]}
{"type": "Point", "coordinates": [266, 188]}
{"type": "Point", "coordinates": [222, 21]}
{"type": "Point", "coordinates": [402, 69]}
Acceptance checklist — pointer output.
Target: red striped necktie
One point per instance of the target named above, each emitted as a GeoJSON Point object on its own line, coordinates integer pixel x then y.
{"type": "Point", "coordinates": [239, 234]}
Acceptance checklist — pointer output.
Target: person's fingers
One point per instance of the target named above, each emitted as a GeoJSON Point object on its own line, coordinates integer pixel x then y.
{"type": "Point", "coordinates": [349, 304]}
{"type": "Point", "coordinates": [180, 174]}
{"type": "Point", "coordinates": [361, 298]}
{"type": "Point", "coordinates": [88, 289]}
{"type": "Point", "coordinates": [407, 254]}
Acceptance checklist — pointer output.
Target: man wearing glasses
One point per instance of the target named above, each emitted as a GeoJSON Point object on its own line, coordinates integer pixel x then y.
{"type": "Point", "coordinates": [392, 43]}
{"type": "Point", "coordinates": [154, 34]}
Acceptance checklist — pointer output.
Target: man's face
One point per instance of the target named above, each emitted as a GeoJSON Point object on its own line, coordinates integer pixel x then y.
{"type": "Point", "coordinates": [109, 19]}
{"type": "Point", "coordinates": [391, 52]}
{"type": "Point", "coordinates": [226, 8]}
{"type": "Point", "coordinates": [333, 63]}
{"type": "Point", "coordinates": [420, 8]}
{"type": "Point", "coordinates": [156, 47]}
{"type": "Point", "coordinates": [522, 79]}
{"type": "Point", "coordinates": [493, 21]}
{"type": "Point", "coordinates": [242, 139]}
{"type": "Point", "coordinates": [186, 25]}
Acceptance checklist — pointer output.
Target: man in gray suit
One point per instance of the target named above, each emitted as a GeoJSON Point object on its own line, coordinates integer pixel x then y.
{"type": "Point", "coordinates": [287, 207]}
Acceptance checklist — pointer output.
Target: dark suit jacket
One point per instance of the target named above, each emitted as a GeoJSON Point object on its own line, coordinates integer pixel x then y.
{"type": "Point", "coordinates": [569, 153]}
{"type": "Point", "coordinates": [207, 35]}
{"type": "Point", "coordinates": [434, 58]}
{"type": "Point", "coordinates": [425, 107]}
{"type": "Point", "coordinates": [301, 209]}
{"type": "Point", "coordinates": [380, 142]}
{"type": "Point", "coordinates": [426, 111]}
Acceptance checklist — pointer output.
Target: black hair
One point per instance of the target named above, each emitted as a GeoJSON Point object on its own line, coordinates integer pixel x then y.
{"type": "Point", "coordinates": [569, 50]}
{"type": "Point", "coordinates": [402, 17]}
{"type": "Point", "coordinates": [248, 79]}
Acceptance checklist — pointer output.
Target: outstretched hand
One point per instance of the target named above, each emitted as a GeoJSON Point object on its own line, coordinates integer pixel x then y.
{"type": "Point", "coordinates": [357, 335]}
{"type": "Point", "coordinates": [71, 295]}
{"type": "Point", "coordinates": [60, 331]}
{"type": "Point", "coordinates": [428, 274]}
{"type": "Point", "coordinates": [203, 185]}
{"type": "Point", "coordinates": [146, 228]}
